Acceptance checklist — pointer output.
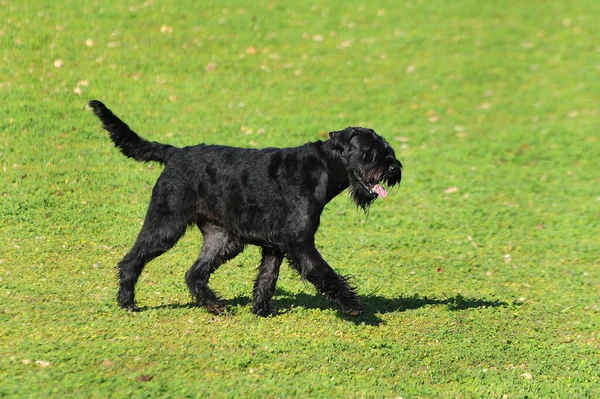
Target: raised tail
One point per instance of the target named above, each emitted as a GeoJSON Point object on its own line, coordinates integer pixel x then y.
{"type": "Point", "coordinates": [128, 141]}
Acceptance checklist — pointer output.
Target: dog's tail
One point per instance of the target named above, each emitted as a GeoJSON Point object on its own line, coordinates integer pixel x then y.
{"type": "Point", "coordinates": [128, 141]}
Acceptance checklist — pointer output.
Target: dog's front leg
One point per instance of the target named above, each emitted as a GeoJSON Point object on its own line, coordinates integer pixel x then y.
{"type": "Point", "coordinates": [264, 286]}
{"type": "Point", "coordinates": [315, 269]}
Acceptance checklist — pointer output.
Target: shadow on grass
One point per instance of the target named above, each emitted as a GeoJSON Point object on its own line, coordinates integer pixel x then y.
{"type": "Point", "coordinates": [374, 305]}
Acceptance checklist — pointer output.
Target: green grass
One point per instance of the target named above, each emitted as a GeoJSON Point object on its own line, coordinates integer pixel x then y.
{"type": "Point", "coordinates": [479, 275]}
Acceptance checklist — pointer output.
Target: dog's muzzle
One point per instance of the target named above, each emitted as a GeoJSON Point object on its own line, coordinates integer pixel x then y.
{"type": "Point", "coordinates": [393, 174]}
{"type": "Point", "coordinates": [374, 189]}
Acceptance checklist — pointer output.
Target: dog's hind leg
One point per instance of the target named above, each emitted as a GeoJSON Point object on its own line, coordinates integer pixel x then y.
{"type": "Point", "coordinates": [217, 248]}
{"type": "Point", "coordinates": [315, 269]}
{"type": "Point", "coordinates": [159, 233]}
{"type": "Point", "coordinates": [264, 286]}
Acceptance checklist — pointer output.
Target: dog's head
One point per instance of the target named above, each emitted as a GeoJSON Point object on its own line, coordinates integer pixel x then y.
{"type": "Point", "coordinates": [370, 163]}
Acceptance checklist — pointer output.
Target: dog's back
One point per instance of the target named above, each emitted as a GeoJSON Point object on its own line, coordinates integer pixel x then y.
{"type": "Point", "coordinates": [256, 191]}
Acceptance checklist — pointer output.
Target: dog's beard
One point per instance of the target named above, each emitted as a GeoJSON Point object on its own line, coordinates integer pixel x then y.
{"type": "Point", "coordinates": [367, 186]}
{"type": "Point", "coordinates": [371, 188]}
{"type": "Point", "coordinates": [365, 190]}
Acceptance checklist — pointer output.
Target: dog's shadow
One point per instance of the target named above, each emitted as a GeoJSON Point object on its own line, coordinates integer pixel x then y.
{"type": "Point", "coordinates": [374, 305]}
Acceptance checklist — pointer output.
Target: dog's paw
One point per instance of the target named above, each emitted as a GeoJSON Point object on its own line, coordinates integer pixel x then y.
{"type": "Point", "coordinates": [353, 310]}
{"type": "Point", "coordinates": [216, 308]}
{"type": "Point", "coordinates": [132, 307]}
{"type": "Point", "coordinates": [263, 311]}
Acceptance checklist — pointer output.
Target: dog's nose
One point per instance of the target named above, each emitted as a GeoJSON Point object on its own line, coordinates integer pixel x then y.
{"type": "Point", "coordinates": [394, 168]}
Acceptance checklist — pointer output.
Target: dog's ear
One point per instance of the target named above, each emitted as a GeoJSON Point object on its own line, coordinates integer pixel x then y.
{"type": "Point", "coordinates": [341, 139]}
{"type": "Point", "coordinates": [342, 135]}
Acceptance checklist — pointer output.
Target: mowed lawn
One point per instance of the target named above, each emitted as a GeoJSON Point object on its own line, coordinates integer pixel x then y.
{"type": "Point", "coordinates": [479, 275]}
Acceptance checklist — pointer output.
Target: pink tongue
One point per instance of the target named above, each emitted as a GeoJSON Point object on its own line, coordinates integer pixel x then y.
{"type": "Point", "coordinates": [378, 188]}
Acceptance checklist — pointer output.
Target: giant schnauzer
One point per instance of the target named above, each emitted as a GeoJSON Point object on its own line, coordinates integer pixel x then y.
{"type": "Point", "coordinates": [271, 197]}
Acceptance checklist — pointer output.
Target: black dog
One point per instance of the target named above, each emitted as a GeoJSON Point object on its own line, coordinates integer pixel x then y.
{"type": "Point", "coordinates": [272, 198]}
